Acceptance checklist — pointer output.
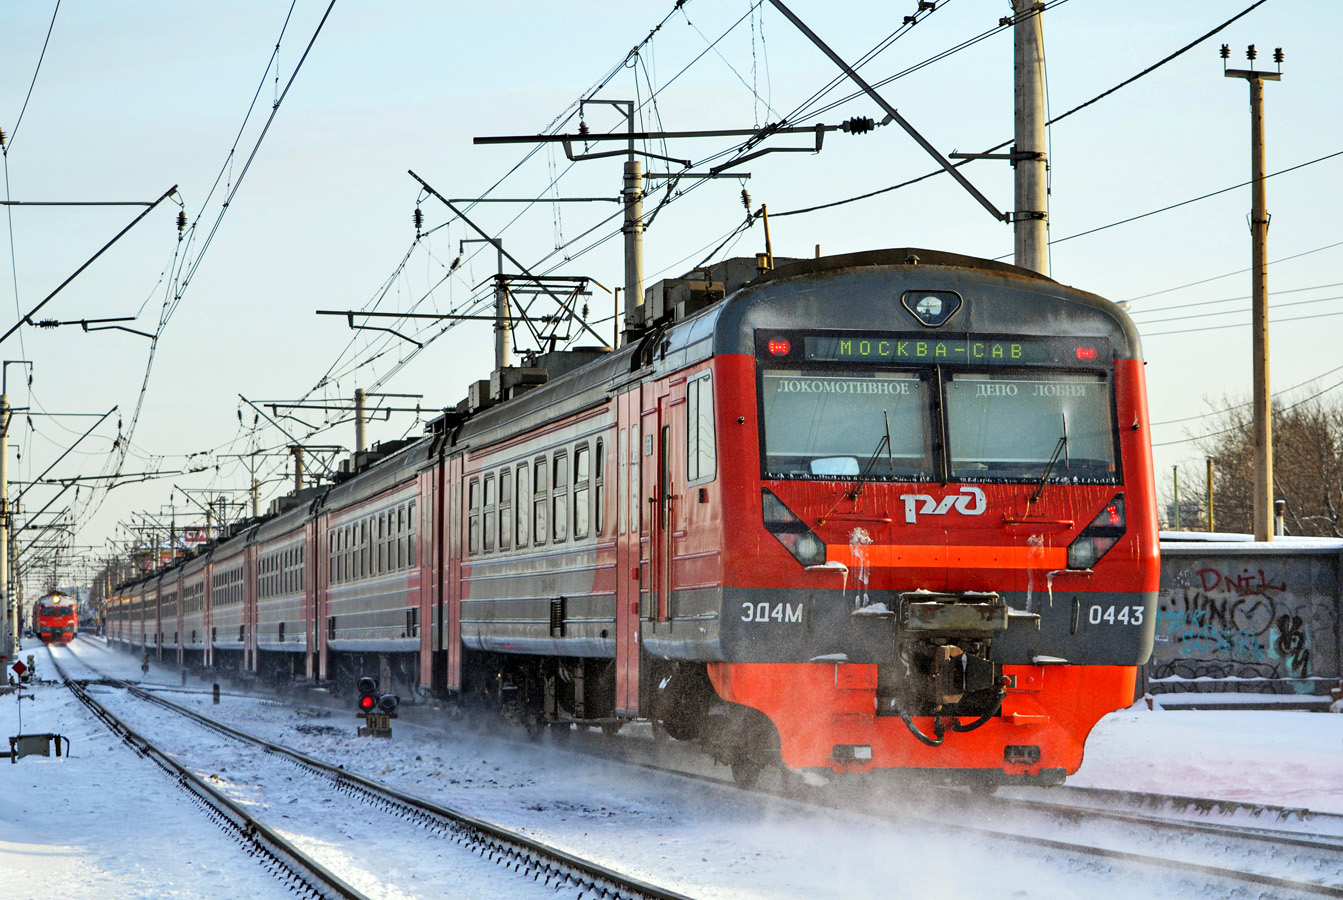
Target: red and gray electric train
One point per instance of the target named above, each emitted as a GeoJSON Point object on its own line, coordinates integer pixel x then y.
{"type": "Point", "coordinates": [55, 618]}
{"type": "Point", "coordinates": [882, 510]}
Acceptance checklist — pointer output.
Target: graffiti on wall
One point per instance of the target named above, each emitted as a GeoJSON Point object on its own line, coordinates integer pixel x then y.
{"type": "Point", "coordinates": [1233, 619]}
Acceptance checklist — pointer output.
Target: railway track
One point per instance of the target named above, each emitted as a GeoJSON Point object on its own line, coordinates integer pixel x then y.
{"type": "Point", "coordinates": [535, 865]}
{"type": "Point", "coordinates": [1255, 844]}
{"type": "Point", "coordinates": [1290, 852]}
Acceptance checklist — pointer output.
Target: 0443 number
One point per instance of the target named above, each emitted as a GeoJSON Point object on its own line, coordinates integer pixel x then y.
{"type": "Point", "coordinates": [1115, 615]}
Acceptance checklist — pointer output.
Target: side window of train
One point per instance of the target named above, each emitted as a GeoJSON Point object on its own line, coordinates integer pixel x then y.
{"type": "Point", "coordinates": [701, 457]}
{"type": "Point", "coordinates": [505, 509]}
{"type": "Point", "coordinates": [382, 543]}
{"type": "Point", "coordinates": [365, 549]}
{"type": "Point", "coordinates": [473, 528]}
{"type": "Point", "coordinates": [411, 537]}
{"type": "Point", "coordinates": [400, 535]}
{"type": "Point", "coordinates": [539, 501]}
{"type": "Point", "coordinates": [524, 512]}
{"type": "Point", "coordinates": [331, 558]}
{"type": "Point", "coordinates": [582, 474]}
{"type": "Point", "coordinates": [491, 518]}
{"type": "Point", "coordinates": [559, 497]}
{"type": "Point", "coordinates": [599, 487]}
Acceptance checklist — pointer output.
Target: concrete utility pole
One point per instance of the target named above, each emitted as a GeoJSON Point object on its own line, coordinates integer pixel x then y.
{"type": "Point", "coordinates": [11, 633]}
{"type": "Point", "coordinates": [1211, 518]}
{"type": "Point", "coordinates": [359, 445]}
{"type": "Point", "coordinates": [1030, 217]}
{"type": "Point", "coordinates": [1263, 401]}
{"type": "Point", "coordinates": [633, 229]}
{"type": "Point", "coordinates": [1175, 477]}
{"type": "Point", "coordinates": [298, 468]}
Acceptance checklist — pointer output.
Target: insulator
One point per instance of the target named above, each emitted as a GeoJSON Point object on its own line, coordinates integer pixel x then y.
{"type": "Point", "coordinates": [47, 323]}
{"type": "Point", "coordinates": [585, 311]}
{"type": "Point", "coordinates": [1277, 55]}
{"type": "Point", "coordinates": [927, 5]}
{"type": "Point", "coordinates": [858, 125]}
{"type": "Point", "coordinates": [1250, 53]}
{"type": "Point", "coordinates": [583, 129]}
{"type": "Point", "coordinates": [746, 199]}
{"type": "Point", "coordinates": [418, 218]}
{"type": "Point", "coordinates": [2, 137]}
{"type": "Point", "coordinates": [1226, 51]}
{"type": "Point", "coordinates": [181, 220]}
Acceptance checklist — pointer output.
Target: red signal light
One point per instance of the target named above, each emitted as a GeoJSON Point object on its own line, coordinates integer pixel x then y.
{"type": "Point", "coordinates": [1086, 353]}
{"type": "Point", "coordinates": [779, 347]}
{"type": "Point", "coordinates": [367, 702]}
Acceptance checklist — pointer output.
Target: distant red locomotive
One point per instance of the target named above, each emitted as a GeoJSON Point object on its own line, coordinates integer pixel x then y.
{"type": "Point", "coordinates": [55, 618]}
{"type": "Point", "coordinates": [875, 511]}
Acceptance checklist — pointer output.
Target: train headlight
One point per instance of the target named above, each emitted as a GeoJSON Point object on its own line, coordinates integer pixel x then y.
{"type": "Point", "coordinates": [1097, 538]}
{"type": "Point", "coordinates": [799, 540]}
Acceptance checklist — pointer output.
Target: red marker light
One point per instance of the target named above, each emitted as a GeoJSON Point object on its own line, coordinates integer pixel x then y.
{"type": "Point", "coordinates": [1087, 353]}
{"type": "Point", "coordinates": [779, 347]}
{"type": "Point", "coordinates": [1113, 511]}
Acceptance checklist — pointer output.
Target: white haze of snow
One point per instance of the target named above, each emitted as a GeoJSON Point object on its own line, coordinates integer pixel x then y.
{"type": "Point", "coordinates": [102, 823]}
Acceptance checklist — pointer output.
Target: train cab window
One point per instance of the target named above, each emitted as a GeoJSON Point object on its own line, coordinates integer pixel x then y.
{"type": "Point", "coordinates": [539, 501]}
{"type": "Point", "coordinates": [524, 512]}
{"type": "Point", "coordinates": [832, 425]}
{"type": "Point", "coordinates": [411, 535]}
{"type": "Point", "coordinates": [559, 498]}
{"type": "Point", "coordinates": [473, 526]}
{"type": "Point", "coordinates": [1009, 426]}
{"type": "Point", "coordinates": [490, 514]}
{"type": "Point", "coordinates": [599, 487]}
{"type": "Point", "coordinates": [701, 454]}
{"type": "Point", "coordinates": [582, 476]}
{"type": "Point", "coordinates": [505, 509]}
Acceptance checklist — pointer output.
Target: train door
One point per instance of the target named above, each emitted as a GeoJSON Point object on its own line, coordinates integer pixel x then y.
{"type": "Point", "coordinates": [628, 551]}
{"type": "Point", "coordinates": [655, 456]}
{"type": "Point", "coordinates": [450, 531]}
{"type": "Point", "coordinates": [324, 544]}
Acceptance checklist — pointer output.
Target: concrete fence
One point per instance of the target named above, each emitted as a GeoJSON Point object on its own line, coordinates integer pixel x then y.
{"type": "Point", "coordinates": [1237, 616]}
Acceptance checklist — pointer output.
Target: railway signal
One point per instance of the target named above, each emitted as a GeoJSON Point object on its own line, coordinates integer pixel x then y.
{"type": "Point", "coordinates": [377, 710]}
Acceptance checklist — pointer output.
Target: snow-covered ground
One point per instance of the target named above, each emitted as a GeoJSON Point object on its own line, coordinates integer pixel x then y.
{"type": "Point", "coordinates": [104, 823]}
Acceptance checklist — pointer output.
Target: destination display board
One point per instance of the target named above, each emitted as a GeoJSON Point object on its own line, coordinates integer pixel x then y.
{"type": "Point", "coordinates": [875, 348]}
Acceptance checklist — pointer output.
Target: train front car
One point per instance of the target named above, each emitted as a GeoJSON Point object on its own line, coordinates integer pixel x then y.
{"type": "Point", "coordinates": [55, 619]}
{"type": "Point", "coordinates": [944, 555]}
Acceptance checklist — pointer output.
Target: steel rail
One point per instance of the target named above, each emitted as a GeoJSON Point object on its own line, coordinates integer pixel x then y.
{"type": "Point", "coordinates": [1277, 837]}
{"type": "Point", "coordinates": [284, 860]}
{"type": "Point", "coordinates": [819, 800]}
{"type": "Point", "coordinates": [492, 840]}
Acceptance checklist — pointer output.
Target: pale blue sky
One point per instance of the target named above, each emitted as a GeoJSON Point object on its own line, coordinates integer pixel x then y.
{"type": "Point", "coordinates": [132, 98]}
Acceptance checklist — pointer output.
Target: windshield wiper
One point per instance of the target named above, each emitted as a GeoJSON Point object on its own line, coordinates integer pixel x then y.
{"type": "Point", "coordinates": [1060, 447]}
{"type": "Point", "coordinates": [885, 443]}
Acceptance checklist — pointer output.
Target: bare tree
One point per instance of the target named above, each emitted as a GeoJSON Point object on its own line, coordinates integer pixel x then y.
{"type": "Point", "coordinates": [1307, 467]}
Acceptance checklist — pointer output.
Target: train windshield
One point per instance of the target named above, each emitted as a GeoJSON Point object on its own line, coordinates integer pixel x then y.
{"type": "Point", "coordinates": [838, 425]}
{"type": "Point", "coordinates": [1010, 426]}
